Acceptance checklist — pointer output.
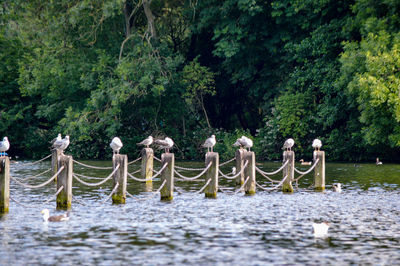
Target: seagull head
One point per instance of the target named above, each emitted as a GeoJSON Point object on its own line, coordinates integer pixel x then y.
{"type": "Point", "coordinates": [213, 136]}
{"type": "Point", "coordinates": [5, 139]}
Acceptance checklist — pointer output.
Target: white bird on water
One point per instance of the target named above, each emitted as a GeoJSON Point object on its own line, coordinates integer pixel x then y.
{"type": "Point", "coordinates": [321, 229]}
{"type": "Point", "coordinates": [55, 139]}
{"type": "Point", "coordinates": [4, 146]}
{"type": "Point", "coordinates": [55, 218]}
{"type": "Point", "coordinates": [317, 144]}
{"type": "Point", "coordinates": [166, 143]}
{"type": "Point", "coordinates": [245, 142]}
{"type": "Point", "coordinates": [337, 187]}
{"type": "Point", "coordinates": [61, 144]}
{"type": "Point", "coordinates": [288, 144]}
{"type": "Point", "coordinates": [209, 143]}
{"type": "Point", "coordinates": [146, 142]}
{"type": "Point", "coordinates": [116, 145]}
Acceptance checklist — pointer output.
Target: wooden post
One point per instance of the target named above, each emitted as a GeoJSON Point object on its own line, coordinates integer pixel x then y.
{"type": "Point", "coordinates": [147, 164]}
{"type": "Point", "coordinates": [120, 176]}
{"type": "Point", "coordinates": [167, 192]}
{"type": "Point", "coordinates": [319, 171]}
{"type": "Point", "coordinates": [55, 154]}
{"type": "Point", "coordinates": [4, 184]}
{"type": "Point", "coordinates": [239, 165]}
{"type": "Point", "coordinates": [250, 171]}
{"type": "Point", "coordinates": [64, 198]}
{"type": "Point", "coordinates": [212, 173]}
{"type": "Point", "coordinates": [288, 171]}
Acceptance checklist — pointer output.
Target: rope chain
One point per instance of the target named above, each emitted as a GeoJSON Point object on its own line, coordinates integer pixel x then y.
{"type": "Point", "coordinates": [48, 156]}
{"type": "Point", "coordinates": [159, 172]}
{"type": "Point", "coordinates": [144, 179]}
{"type": "Point", "coordinates": [227, 161]}
{"type": "Point", "coordinates": [41, 185]}
{"type": "Point", "coordinates": [31, 177]}
{"type": "Point", "coordinates": [134, 161]}
{"type": "Point", "coordinates": [157, 159]}
{"type": "Point", "coordinates": [194, 177]}
{"type": "Point", "coordinates": [309, 170]}
{"type": "Point", "coordinates": [272, 173]}
{"type": "Point", "coordinates": [262, 173]}
{"type": "Point", "coordinates": [79, 201]}
{"type": "Point", "coordinates": [112, 192]}
{"type": "Point", "coordinates": [234, 176]}
{"type": "Point", "coordinates": [89, 177]}
{"type": "Point", "coordinates": [240, 189]}
{"type": "Point", "coordinates": [273, 188]}
{"type": "Point", "coordinates": [99, 183]}
{"type": "Point", "coordinates": [188, 169]}
{"type": "Point", "coordinates": [204, 187]}
{"type": "Point", "coordinates": [19, 203]}
{"type": "Point", "coordinates": [92, 166]}
{"type": "Point", "coordinates": [55, 195]}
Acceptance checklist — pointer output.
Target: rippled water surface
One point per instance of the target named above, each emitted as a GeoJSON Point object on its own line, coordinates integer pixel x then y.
{"type": "Point", "coordinates": [267, 228]}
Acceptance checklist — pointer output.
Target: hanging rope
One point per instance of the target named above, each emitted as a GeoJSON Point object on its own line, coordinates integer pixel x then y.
{"type": "Point", "coordinates": [145, 180]}
{"type": "Point", "coordinates": [309, 170]}
{"type": "Point", "coordinates": [137, 171]}
{"type": "Point", "coordinates": [79, 201]}
{"type": "Point", "coordinates": [55, 195]}
{"type": "Point", "coordinates": [99, 183]}
{"type": "Point", "coordinates": [272, 188]}
{"type": "Point", "coordinates": [41, 185]}
{"type": "Point", "coordinates": [188, 169]}
{"type": "Point", "coordinates": [227, 161]}
{"type": "Point", "coordinates": [48, 156]}
{"type": "Point", "coordinates": [157, 159]}
{"type": "Point", "coordinates": [204, 187]}
{"type": "Point", "coordinates": [195, 177]}
{"type": "Point", "coordinates": [92, 166]}
{"type": "Point", "coordinates": [138, 179]}
{"type": "Point", "coordinates": [240, 189]}
{"type": "Point", "coordinates": [31, 177]}
{"type": "Point", "coordinates": [19, 203]}
{"type": "Point", "coordinates": [112, 192]}
{"type": "Point", "coordinates": [271, 180]}
{"type": "Point", "coordinates": [159, 172]}
{"type": "Point", "coordinates": [272, 173]}
{"type": "Point", "coordinates": [88, 177]}
{"type": "Point", "coordinates": [234, 176]}
{"type": "Point", "coordinates": [134, 161]}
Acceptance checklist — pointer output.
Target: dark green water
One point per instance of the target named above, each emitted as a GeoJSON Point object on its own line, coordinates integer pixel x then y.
{"type": "Point", "coordinates": [267, 228]}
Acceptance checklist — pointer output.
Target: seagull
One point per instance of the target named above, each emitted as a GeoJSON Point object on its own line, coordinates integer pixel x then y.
{"type": "Point", "coordinates": [55, 139]}
{"type": "Point", "coordinates": [233, 171]}
{"type": "Point", "coordinates": [4, 146]}
{"type": "Point", "coordinates": [61, 144]}
{"type": "Point", "coordinates": [166, 143]}
{"type": "Point", "coordinates": [320, 230]}
{"type": "Point", "coordinates": [237, 144]}
{"type": "Point", "coordinates": [337, 187]}
{"type": "Point", "coordinates": [378, 162]}
{"type": "Point", "coordinates": [116, 145]}
{"type": "Point", "coordinates": [245, 142]}
{"type": "Point", "coordinates": [209, 143]}
{"type": "Point", "coordinates": [317, 144]}
{"type": "Point", "coordinates": [55, 218]}
{"type": "Point", "coordinates": [288, 144]}
{"type": "Point", "coordinates": [146, 142]}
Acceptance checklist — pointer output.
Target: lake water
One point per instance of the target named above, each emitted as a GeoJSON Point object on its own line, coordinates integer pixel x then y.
{"type": "Point", "coordinates": [267, 228]}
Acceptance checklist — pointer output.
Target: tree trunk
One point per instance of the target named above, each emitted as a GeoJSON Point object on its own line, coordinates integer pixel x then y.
{"type": "Point", "coordinates": [150, 18]}
{"type": "Point", "coordinates": [204, 110]}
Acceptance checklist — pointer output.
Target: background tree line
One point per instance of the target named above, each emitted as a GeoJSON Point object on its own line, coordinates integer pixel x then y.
{"type": "Point", "coordinates": [95, 69]}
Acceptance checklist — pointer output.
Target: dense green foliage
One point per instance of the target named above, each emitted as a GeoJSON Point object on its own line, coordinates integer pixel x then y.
{"type": "Point", "coordinates": [191, 68]}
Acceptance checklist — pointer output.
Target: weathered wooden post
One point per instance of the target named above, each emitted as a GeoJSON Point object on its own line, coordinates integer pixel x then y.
{"type": "Point", "coordinates": [319, 171]}
{"type": "Point", "coordinates": [64, 179]}
{"type": "Point", "coordinates": [212, 173]}
{"type": "Point", "coordinates": [4, 184]}
{"type": "Point", "coordinates": [167, 192]}
{"type": "Point", "coordinates": [55, 154]}
{"type": "Point", "coordinates": [120, 177]}
{"type": "Point", "coordinates": [147, 164]}
{"type": "Point", "coordinates": [288, 171]}
{"type": "Point", "coordinates": [239, 165]}
{"type": "Point", "coordinates": [250, 171]}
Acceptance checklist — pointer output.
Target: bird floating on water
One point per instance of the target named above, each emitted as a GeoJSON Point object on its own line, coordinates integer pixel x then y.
{"type": "Point", "coordinates": [61, 144]}
{"type": "Point", "coordinates": [320, 229]}
{"type": "Point", "coordinates": [378, 162]}
{"type": "Point", "coordinates": [116, 145]}
{"type": "Point", "coordinates": [146, 142]}
{"type": "Point", "coordinates": [233, 171]}
{"type": "Point", "coordinates": [4, 146]}
{"type": "Point", "coordinates": [165, 144]}
{"type": "Point", "coordinates": [337, 187]}
{"type": "Point", "coordinates": [55, 218]}
{"type": "Point", "coordinates": [317, 144]}
{"type": "Point", "coordinates": [209, 143]}
{"type": "Point", "coordinates": [288, 144]}
{"type": "Point", "coordinates": [304, 163]}
{"type": "Point", "coordinates": [245, 142]}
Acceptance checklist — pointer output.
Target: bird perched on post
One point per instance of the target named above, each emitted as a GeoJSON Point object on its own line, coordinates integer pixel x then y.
{"type": "Point", "coordinates": [288, 144]}
{"type": "Point", "coordinates": [245, 142]}
{"type": "Point", "coordinates": [55, 218]}
{"type": "Point", "coordinates": [116, 145]}
{"type": "Point", "coordinates": [317, 144]}
{"type": "Point", "coordinates": [55, 139]}
{"type": "Point", "coordinates": [165, 144]}
{"type": "Point", "coordinates": [4, 146]}
{"type": "Point", "coordinates": [146, 142]}
{"type": "Point", "coordinates": [209, 143]}
{"type": "Point", "coordinates": [61, 144]}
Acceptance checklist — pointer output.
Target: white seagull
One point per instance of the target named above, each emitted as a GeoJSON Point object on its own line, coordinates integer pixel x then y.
{"type": "Point", "coordinates": [209, 143]}
{"type": "Point", "coordinates": [55, 218]}
{"type": "Point", "coordinates": [320, 230]}
{"type": "Point", "coordinates": [245, 142]}
{"type": "Point", "coordinates": [337, 187]}
{"type": "Point", "coordinates": [317, 144]}
{"type": "Point", "coordinates": [4, 146]}
{"type": "Point", "coordinates": [233, 171]}
{"type": "Point", "coordinates": [55, 139]}
{"type": "Point", "coordinates": [146, 142]}
{"type": "Point", "coordinates": [61, 144]}
{"type": "Point", "coordinates": [166, 143]}
{"type": "Point", "coordinates": [237, 144]}
{"type": "Point", "coordinates": [288, 144]}
{"type": "Point", "coordinates": [116, 145]}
